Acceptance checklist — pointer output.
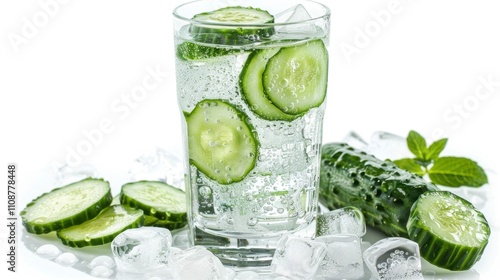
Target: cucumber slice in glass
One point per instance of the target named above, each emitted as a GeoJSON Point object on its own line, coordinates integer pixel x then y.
{"type": "Point", "coordinates": [221, 143]}
{"type": "Point", "coordinates": [451, 233]}
{"type": "Point", "coordinates": [156, 199]}
{"type": "Point", "coordinates": [295, 78]}
{"type": "Point", "coordinates": [194, 51]}
{"type": "Point", "coordinates": [67, 206]}
{"type": "Point", "coordinates": [253, 90]}
{"type": "Point", "coordinates": [232, 25]}
{"type": "Point", "coordinates": [102, 229]}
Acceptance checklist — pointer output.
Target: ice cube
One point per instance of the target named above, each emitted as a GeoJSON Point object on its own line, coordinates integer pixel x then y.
{"type": "Point", "coordinates": [159, 165]}
{"type": "Point", "coordinates": [297, 18]}
{"type": "Point", "coordinates": [141, 249]}
{"type": "Point", "coordinates": [347, 220]}
{"type": "Point", "coordinates": [67, 174]}
{"type": "Point", "coordinates": [196, 263]}
{"type": "Point", "coordinates": [394, 258]}
{"type": "Point", "coordinates": [385, 145]}
{"type": "Point", "coordinates": [355, 140]}
{"type": "Point", "coordinates": [297, 258]}
{"type": "Point", "coordinates": [343, 258]}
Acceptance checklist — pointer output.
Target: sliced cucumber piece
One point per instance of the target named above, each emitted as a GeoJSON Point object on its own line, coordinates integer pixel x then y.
{"type": "Point", "coordinates": [156, 199]}
{"type": "Point", "coordinates": [102, 229]}
{"type": "Point", "coordinates": [194, 51]}
{"type": "Point", "coordinates": [222, 144]}
{"type": "Point", "coordinates": [252, 88]}
{"type": "Point", "coordinates": [66, 206]}
{"type": "Point", "coordinates": [232, 25]}
{"type": "Point", "coordinates": [296, 78]}
{"type": "Point", "coordinates": [153, 222]}
{"type": "Point", "coordinates": [451, 233]}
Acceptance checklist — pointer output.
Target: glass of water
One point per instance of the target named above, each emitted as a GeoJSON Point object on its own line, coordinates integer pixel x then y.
{"type": "Point", "coordinates": [251, 87]}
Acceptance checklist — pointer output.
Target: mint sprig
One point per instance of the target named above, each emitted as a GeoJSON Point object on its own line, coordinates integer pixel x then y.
{"type": "Point", "coordinates": [445, 171]}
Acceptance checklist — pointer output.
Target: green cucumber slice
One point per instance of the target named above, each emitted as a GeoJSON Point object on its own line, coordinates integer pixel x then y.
{"type": "Point", "coordinates": [232, 25]}
{"type": "Point", "coordinates": [66, 206]}
{"type": "Point", "coordinates": [296, 78]}
{"type": "Point", "coordinates": [194, 51]}
{"type": "Point", "coordinates": [156, 199]}
{"type": "Point", "coordinates": [222, 145]}
{"type": "Point", "coordinates": [151, 221]}
{"type": "Point", "coordinates": [253, 90]}
{"type": "Point", "coordinates": [450, 231]}
{"type": "Point", "coordinates": [102, 229]}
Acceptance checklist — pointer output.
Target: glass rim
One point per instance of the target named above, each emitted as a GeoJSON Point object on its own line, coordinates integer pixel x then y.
{"type": "Point", "coordinates": [177, 15]}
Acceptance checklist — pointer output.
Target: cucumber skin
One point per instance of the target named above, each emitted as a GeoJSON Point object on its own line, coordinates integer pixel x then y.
{"type": "Point", "coordinates": [76, 219]}
{"type": "Point", "coordinates": [384, 192]}
{"type": "Point", "coordinates": [440, 252]}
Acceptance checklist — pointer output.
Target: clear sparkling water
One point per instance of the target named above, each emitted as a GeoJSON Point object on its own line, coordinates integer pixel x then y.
{"type": "Point", "coordinates": [142, 249]}
{"type": "Point", "coordinates": [66, 174]}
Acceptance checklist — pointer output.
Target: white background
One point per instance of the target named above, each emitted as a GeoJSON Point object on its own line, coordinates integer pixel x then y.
{"type": "Point", "coordinates": [418, 68]}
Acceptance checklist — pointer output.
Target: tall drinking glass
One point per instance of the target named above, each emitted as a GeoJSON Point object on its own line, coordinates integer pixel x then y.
{"type": "Point", "coordinates": [251, 86]}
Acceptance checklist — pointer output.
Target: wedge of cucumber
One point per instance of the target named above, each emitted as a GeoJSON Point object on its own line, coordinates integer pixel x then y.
{"type": "Point", "coordinates": [67, 206]}
{"type": "Point", "coordinates": [295, 79]}
{"type": "Point", "coordinates": [156, 199]}
{"type": "Point", "coordinates": [232, 25]}
{"type": "Point", "coordinates": [102, 229]}
{"type": "Point", "coordinates": [450, 231]}
{"type": "Point", "coordinates": [222, 144]}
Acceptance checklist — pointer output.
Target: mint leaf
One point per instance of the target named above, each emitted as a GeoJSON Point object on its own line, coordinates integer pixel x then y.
{"type": "Point", "coordinates": [409, 164]}
{"type": "Point", "coordinates": [435, 149]}
{"type": "Point", "coordinates": [416, 144]}
{"type": "Point", "coordinates": [456, 172]}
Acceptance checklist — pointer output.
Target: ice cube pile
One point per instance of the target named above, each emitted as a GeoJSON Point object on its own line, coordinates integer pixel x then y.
{"type": "Point", "coordinates": [337, 252]}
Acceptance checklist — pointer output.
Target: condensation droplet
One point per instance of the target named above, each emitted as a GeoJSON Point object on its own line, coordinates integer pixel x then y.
{"type": "Point", "coordinates": [48, 251]}
{"type": "Point", "coordinates": [66, 259]}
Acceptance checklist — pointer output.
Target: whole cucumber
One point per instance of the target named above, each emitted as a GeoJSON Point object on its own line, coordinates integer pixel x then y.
{"type": "Point", "coordinates": [384, 192]}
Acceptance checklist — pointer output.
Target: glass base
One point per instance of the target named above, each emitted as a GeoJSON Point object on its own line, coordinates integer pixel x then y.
{"type": "Point", "coordinates": [254, 254]}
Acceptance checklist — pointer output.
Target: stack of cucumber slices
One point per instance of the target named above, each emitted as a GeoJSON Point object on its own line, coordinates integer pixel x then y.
{"type": "Point", "coordinates": [82, 213]}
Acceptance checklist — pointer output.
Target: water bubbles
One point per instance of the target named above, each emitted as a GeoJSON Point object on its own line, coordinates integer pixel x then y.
{"type": "Point", "coordinates": [252, 221]}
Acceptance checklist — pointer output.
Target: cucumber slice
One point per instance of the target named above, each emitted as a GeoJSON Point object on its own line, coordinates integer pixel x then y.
{"type": "Point", "coordinates": [193, 51]}
{"type": "Point", "coordinates": [252, 89]}
{"type": "Point", "coordinates": [451, 233]}
{"type": "Point", "coordinates": [66, 206]}
{"type": "Point", "coordinates": [154, 222]}
{"type": "Point", "coordinates": [221, 143]}
{"type": "Point", "coordinates": [102, 229]}
{"type": "Point", "coordinates": [232, 25]}
{"type": "Point", "coordinates": [156, 199]}
{"type": "Point", "coordinates": [295, 79]}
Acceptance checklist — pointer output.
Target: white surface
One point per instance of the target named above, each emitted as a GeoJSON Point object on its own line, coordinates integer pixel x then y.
{"type": "Point", "coordinates": [74, 74]}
